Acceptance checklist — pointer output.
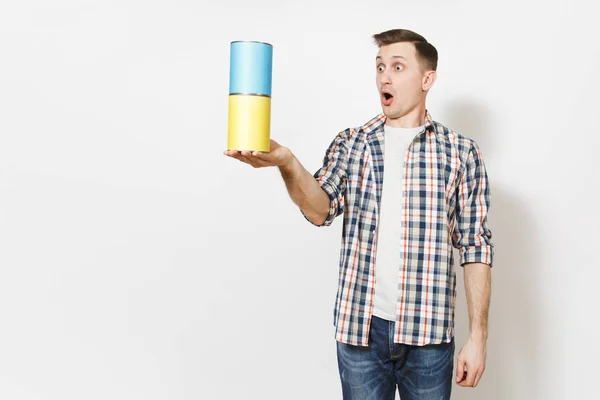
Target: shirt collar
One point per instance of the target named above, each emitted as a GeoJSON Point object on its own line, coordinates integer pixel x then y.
{"type": "Point", "coordinates": [376, 124]}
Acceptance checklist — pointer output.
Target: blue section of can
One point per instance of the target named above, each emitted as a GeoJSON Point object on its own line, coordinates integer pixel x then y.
{"type": "Point", "coordinates": [250, 68]}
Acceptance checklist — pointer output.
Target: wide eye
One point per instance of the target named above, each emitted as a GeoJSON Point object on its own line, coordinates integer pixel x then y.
{"type": "Point", "coordinates": [399, 67]}
{"type": "Point", "coordinates": [380, 68]}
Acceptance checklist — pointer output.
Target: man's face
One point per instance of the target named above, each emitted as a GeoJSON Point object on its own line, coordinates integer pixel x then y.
{"type": "Point", "coordinates": [400, 80]}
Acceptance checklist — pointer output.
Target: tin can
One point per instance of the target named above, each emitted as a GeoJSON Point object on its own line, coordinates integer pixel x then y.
{"type": "Point", "coordinates": [250, 81]}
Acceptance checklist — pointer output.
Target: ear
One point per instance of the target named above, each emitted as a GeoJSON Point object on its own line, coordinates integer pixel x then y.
{"type": "Point", "coordinates": [428, 80]}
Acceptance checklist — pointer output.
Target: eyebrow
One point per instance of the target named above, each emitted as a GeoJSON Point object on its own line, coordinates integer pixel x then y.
{"type": "Point", "coordinates": [381, 58]}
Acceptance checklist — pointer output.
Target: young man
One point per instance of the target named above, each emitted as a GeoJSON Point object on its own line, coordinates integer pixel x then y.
{"type": "Point", "coordinates": [410, 190]}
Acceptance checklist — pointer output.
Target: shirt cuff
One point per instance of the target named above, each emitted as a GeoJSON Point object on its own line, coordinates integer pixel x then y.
{"type": "Point", "coordinates": [477, 254]}
{"type": "Point", "coordinates": [334, 202]}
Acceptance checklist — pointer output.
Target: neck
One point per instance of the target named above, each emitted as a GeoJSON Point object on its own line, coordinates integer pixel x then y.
{"type": "Point", "coordinates": [412, 119]}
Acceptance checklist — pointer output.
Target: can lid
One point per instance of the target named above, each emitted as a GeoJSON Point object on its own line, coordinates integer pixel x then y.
{"type": "Point", "coordinates": [251, 41]}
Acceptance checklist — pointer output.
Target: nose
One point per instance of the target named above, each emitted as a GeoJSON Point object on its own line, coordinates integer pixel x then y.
{"type": "Point", "coordinates": [384, 79]}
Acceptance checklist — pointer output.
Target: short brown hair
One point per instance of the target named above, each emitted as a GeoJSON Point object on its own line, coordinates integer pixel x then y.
{"type": "Point", "coordinates": [426, 53]}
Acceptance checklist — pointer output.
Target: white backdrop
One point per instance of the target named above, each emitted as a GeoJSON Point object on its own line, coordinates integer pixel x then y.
{"type": "Point", "coordinates": [138, 262]}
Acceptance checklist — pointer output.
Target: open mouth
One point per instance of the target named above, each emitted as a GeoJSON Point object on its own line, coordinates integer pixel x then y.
{"type": "Point", "coordinates": [386, 98]}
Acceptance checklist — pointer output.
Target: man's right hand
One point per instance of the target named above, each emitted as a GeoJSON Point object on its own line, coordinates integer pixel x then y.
{"type": "Point", "coordinates": [302, 186]}
{"type": "Point", "coordinates": [278, 156]}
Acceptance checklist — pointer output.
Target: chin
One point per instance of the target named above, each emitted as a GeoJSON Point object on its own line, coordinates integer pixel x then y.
{"type": "Point", "coordinates": [392, 114]}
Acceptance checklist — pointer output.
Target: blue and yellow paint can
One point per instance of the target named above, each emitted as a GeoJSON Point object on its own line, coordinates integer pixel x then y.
{"type": "Point", "coordinates": [250, 78]}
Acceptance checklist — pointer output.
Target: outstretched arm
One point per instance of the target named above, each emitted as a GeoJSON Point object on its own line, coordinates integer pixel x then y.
{"type": "Point", "coordinates": [302, 187]}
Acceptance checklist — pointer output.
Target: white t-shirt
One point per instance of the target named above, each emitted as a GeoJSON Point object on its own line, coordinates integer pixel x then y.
{"type": "Point", "coordinates": [389, 242]}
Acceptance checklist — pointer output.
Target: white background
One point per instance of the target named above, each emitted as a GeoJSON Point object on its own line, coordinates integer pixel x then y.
{"type": "Point", "coordinates": [138, 262]}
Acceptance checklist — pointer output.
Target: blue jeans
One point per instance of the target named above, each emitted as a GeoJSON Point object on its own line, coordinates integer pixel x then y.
{"type": "Point", "coordinates": [373, 372]}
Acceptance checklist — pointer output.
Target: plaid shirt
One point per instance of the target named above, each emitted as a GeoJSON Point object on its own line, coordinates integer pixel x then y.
{"type": "Point", "coordinates": [446, 199]}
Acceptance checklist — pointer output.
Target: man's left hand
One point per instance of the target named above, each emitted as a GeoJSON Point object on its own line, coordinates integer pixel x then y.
{"type": "Point", "coordinates": [471, 363]}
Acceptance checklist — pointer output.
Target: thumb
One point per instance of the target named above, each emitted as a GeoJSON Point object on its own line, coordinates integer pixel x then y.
{"type": "Point", "coordinates": [460, 370]}
{"type": "Point", "coordinates": [274, 145]}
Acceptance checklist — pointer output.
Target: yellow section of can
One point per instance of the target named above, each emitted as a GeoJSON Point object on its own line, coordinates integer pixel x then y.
{"type": "Point", "coordinates": [249, 125]}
